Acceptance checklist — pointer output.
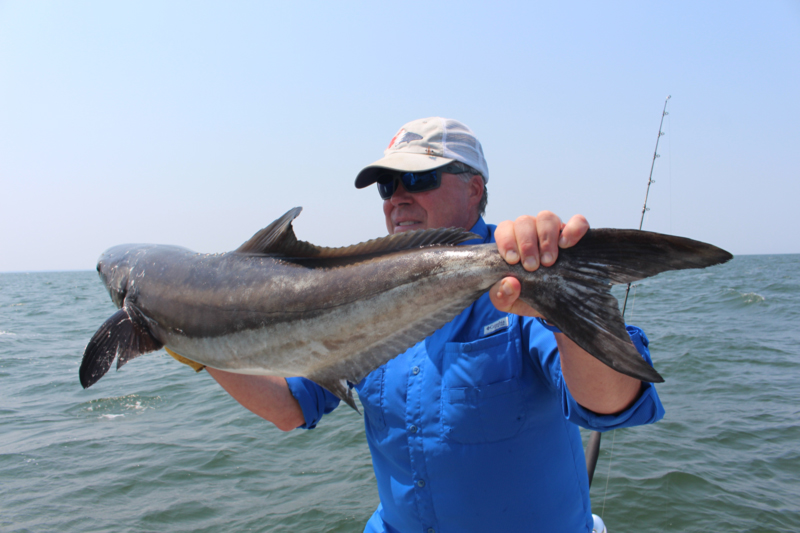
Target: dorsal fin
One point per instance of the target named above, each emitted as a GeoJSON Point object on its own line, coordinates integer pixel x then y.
{"type": "Point", "coordinates": [274, 237]}
{"type": "Point", "coordinates": [279, 239]}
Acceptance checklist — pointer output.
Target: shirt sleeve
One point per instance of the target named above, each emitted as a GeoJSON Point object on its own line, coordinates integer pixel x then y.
{"type": "Point", "coordinates": [647, 409]}
{"type": "Point", "coordinates": [314, 400]}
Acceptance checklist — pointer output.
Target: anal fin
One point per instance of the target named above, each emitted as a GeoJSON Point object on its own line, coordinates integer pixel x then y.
{"type": "Point", "coordinates": [338, 387]}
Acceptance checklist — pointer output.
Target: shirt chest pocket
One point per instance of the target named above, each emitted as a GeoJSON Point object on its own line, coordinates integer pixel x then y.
{"type": "Point", "coordinates": [371, 392]}
{"type": "Point", "coordinates": [483, 394]}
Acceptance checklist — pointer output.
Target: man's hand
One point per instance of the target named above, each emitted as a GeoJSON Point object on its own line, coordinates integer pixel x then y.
{"type": "Point", "coordinates": [535, 242]}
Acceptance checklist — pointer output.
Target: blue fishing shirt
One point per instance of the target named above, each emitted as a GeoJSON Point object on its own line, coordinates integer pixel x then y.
{"type": "Point", "coordinates": [474, 429]}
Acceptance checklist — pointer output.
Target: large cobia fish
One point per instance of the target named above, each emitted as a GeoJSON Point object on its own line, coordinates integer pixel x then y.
{"type": "Point", "coordinates": [284, 307]}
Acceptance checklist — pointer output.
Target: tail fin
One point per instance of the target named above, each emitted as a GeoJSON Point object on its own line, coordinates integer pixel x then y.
{"type": "Point", "coordinates": [574, 294]}
{"type": "Point", "coordinates": [124, 334]}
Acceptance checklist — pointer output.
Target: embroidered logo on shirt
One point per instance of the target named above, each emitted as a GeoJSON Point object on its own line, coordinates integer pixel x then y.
{"type": "Point", "coordinates": [494, 326]}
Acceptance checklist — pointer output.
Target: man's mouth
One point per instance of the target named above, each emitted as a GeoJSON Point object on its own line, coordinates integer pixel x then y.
{"type": "Point", "coordinates": [407, 223]}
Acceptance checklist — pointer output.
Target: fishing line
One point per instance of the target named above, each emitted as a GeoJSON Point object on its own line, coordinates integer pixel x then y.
{"type": "Point", "coordinates": [608, 472]}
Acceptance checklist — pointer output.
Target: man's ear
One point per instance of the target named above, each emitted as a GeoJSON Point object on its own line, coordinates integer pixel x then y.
{"type": "Point", "coordinates": [475, 189]}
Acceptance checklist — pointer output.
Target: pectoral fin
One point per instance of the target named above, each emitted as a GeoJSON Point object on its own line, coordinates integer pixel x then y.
{"type": "Point", "coordinates": [124, 335]}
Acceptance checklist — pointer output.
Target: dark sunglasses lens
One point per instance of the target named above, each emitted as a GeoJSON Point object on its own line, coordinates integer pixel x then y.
{"type": "Point", "coordinates": [412, 182]}
{"type": "Point", "coordinates": [386, 187]}
{"type": "Point", "coordinates": [386, 190]}
{"type": "Point", "coordinates": [420, 181]}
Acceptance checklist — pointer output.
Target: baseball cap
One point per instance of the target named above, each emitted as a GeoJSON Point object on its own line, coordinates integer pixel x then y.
{"type": "Point", "coordinates": [425, 144]}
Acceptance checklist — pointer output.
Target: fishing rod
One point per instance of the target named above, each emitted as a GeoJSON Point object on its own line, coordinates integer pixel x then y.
{"type": "Point", "coordinates": [593, 446]}
{"type": "Point", "coordinates": [650, 181]}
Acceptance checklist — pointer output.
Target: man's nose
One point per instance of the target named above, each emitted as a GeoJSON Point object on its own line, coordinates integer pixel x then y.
{"type": "Point", "coordinates": [401, 195]}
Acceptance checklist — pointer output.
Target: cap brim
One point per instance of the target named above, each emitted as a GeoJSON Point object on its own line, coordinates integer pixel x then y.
{"type": "Point", "coordinates": [403, 162]}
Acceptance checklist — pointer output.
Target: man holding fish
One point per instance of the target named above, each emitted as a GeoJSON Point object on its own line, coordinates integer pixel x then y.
{"type": "Point", "coordinates": [474, 428]}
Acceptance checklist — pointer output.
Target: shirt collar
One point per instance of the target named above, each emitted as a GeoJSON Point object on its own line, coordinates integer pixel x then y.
{"type": "Point", "coordinates": [482, 230]}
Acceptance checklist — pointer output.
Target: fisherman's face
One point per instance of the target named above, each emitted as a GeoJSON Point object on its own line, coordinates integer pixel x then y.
{"type": "Point", "coordinates": [452, 205]}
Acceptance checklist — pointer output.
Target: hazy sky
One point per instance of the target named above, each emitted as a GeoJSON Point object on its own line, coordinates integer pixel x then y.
{"type": "Point", "coordinates": [197, 123]}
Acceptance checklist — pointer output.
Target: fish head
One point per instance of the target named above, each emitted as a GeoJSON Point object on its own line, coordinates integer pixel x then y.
{"type": "Point", "coordinates": [114, 268]}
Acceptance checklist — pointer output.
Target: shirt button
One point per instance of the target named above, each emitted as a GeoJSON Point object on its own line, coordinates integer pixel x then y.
{"type": "Point", "coordinates": [413, 429]}
{"type": "Point", "coordinates": [415, 370]}
{"type": "Point", "coordinates": [431, 530]}
{"type": "Point", "coordinates": [421, 483]}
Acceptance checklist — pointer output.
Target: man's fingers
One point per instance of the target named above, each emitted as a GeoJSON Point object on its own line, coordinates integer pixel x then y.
{"type": "Point", "coordinates": [548, 226]}
{"type": "Point", "coordinates": [525, 230]}
{"type": "Point", "coordinates": [535, 241]}
{"type": "Point", "coordinates": [518, 241]}
{"type": "Point", "coordinates": [573, 231]}
{"type": "Point", "coordinates": [507, 242]}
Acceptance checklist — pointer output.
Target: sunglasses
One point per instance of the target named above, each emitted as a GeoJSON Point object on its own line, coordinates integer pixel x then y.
{"type": "Point", "coordinates": [412, 181]}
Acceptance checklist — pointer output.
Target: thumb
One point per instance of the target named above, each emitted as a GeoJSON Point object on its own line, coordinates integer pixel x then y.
{"type": "Point", "coordinates": [505, 297]}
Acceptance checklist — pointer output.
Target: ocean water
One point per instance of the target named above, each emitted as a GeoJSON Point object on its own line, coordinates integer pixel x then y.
{"type": "Point", "coordinates": [155, 447]}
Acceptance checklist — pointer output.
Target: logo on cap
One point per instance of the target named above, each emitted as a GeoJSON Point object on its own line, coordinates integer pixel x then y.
{"type": "Point", "coordinates": [403, 136]}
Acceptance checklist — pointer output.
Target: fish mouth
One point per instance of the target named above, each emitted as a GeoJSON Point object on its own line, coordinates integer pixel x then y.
{"type": "Point", "coordinates": [114, 277]}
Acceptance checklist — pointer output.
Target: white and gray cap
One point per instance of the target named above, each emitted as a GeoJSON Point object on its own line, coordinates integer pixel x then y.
{"type": "Point", "coordinates": [426, 144]}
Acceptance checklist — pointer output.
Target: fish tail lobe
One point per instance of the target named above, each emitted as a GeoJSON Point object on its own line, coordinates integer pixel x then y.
{"type": "Point", "coordinates": [124, 335]}
{"type": "Point", "coordinates": [574, 294]}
